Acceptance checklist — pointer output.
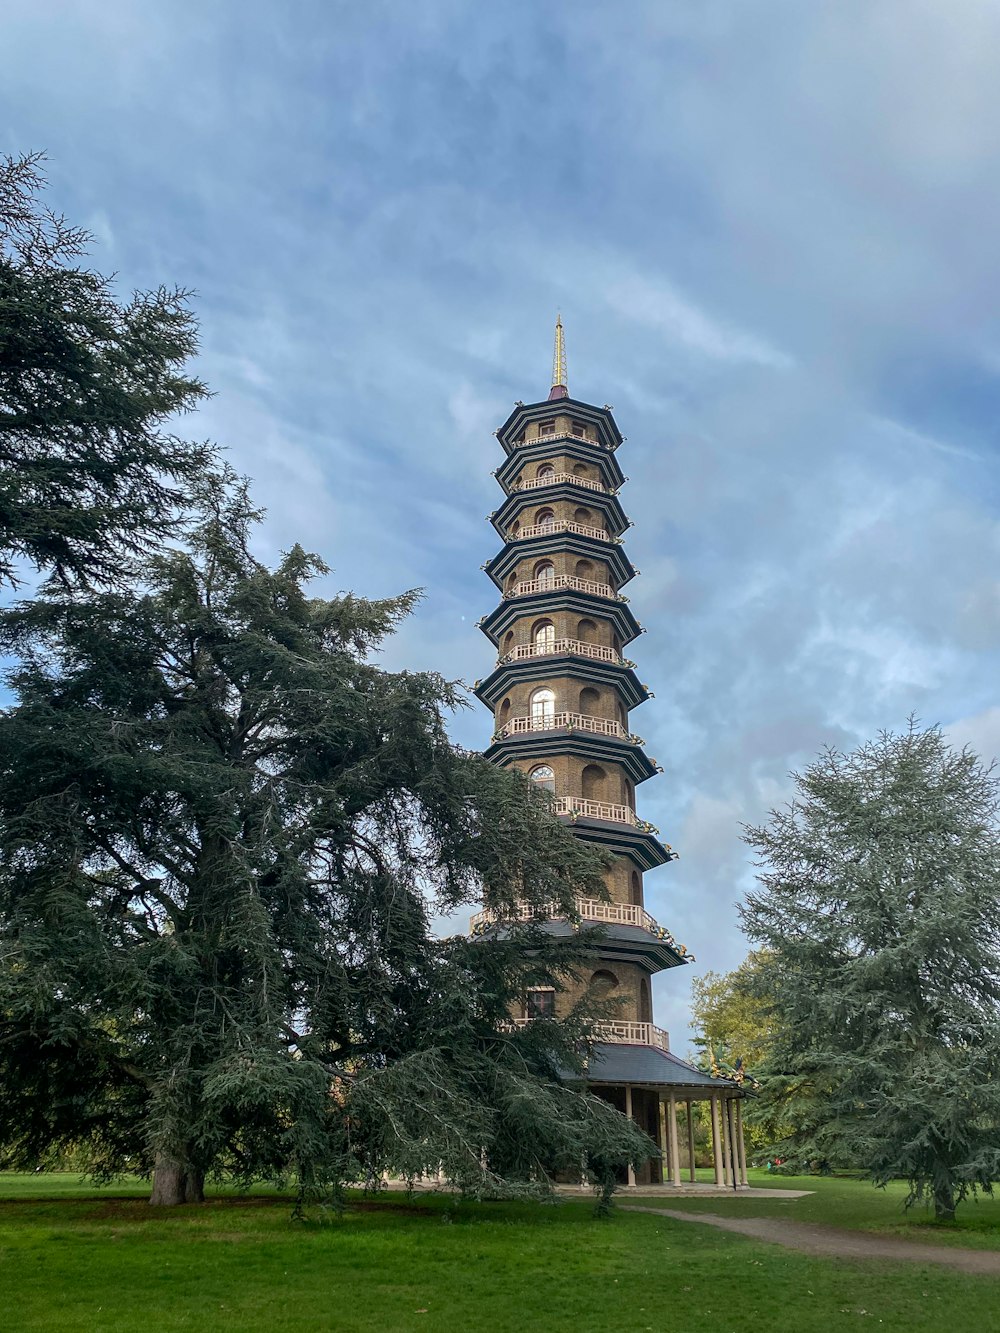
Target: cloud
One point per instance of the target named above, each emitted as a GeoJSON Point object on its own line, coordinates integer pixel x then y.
{"type": "Point", "coordinates": [771, 232]}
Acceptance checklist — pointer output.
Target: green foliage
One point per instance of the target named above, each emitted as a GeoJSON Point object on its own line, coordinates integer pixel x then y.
{"type": "Point", "coordinates": [224, 831]}
{"type": "Point", "coordinates": [733, 1021]}
{"type": "Point", "coordinates": [879, 908]}
{"type": "Point", "coordinates": [89, 474]}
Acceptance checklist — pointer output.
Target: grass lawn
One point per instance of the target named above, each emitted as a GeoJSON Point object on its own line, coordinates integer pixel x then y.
{"type": "Point", "coordinates": [839, 1202]}
{"type": "Point", "coordinates": [75, 1258]}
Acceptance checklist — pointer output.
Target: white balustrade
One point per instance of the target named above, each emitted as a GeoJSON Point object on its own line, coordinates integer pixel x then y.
{"type": "Point", "coordinates": [560, 479]}
{"type": "Point", "coordinates": [561, 525]}
{"type": "Point", "coordinates": [602, 726]}
{"type": "Point", "coordinates": [529, 587]}
{"type": "Point", "coordinates": [596, 651]}
{"type": "Point", "coordinates": [619, 1033]}
{"type": "Point", "coordinates": [582, 805]}
{"type": "Point", "coordinates": [563, 435]}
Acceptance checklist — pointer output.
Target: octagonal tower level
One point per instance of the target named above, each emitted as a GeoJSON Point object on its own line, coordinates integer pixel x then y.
{"type": "Point", "coordinates": [563, 690]}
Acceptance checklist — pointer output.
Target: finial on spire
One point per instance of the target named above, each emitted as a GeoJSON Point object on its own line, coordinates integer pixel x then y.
{"type": "Point", "coordinates": [559, 388]}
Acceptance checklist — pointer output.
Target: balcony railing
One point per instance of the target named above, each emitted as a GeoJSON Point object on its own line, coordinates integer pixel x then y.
{"type": "Point", "coordinates": [529, 587]}
{"type": "Point", "coordinates": [562, 525]}
{"type": "Point", "coordinates": [583, 807]}
{"type": "Point", "coordinates": [602, 726]}
{"type": "Point", "coordinates": [623, 1033]}
{"type": "Point", "coordinates": [563, 435]}
{"type": "Point", "coordinates": [595, 651]}
{"type": "Point", "coordinates": [560, 479]}
{"type": "Point", "coordinates": [588, 909]}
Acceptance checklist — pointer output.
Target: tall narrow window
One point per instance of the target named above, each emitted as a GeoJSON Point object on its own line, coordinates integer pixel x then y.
{"type": "Point", "coordinates": [543, 709]}
{"type": "Point", "coordinates": [544, 636]}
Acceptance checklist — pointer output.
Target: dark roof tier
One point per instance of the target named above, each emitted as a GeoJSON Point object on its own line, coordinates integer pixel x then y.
{"type": "Point", "coordinates": [544, 602]}
{"type": "Point", "coordinates": [517, 501]}
{"type": "Point", "coordinates": [626, 944]}
{"type": "Point", "coordinates": [651, 1067]}
{"type": "Point", "coordinates": [528, 670]}
{"type": "Point", "coordinates": [584, 451]}
{"type": "Point", "coordinates": [586, 744]}
{"type": "Point", "coordinates": [558, 543]}
{"type": "Point", "coordinates": [599, 417]}
{"type": "Point", "coordinates": [640, 843]}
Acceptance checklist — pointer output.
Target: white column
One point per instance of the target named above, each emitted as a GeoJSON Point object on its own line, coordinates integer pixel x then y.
{"type": "Point", "coordinates": [717, 1142]}
{"type": "Point", "coordinates": [734, 1161]}
{"type": "Point", "coordinates": [675, 1156]}
{"type": "Point", "coordinates": [727, 1160]}
{"type": "Point", "coordinates": [690, 1127]}
{"type": "Point", "coordinates": [628, 1112]}
{"type": "Point", "coordinates": [741, 1144]}
{"type": "Point", "coordinates": [664, 1151]}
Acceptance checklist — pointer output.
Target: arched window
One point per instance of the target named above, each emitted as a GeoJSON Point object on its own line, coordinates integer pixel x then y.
{"type": "Point", "coordinates": [581, 470]}
{"type": "Point", "coordinates": [515, 528]}
{"type": "Point", "coordinates": [584, 569]}
{"type": "Point", "coordinates": [589, 700]}
{"type": "Point", "coordinates": [503, 713]}
{"type": "Point", "coordinates": [545, 470]}
{"type": "Point", "coordinates": [594, 778]}
{"type": "Point", "coordinates": [544, 636]}
{"type": "Point", "coordinates": [544, 776]}
{"type": "Point", "coordinates": [545, 573]}
{"type": "Point", "coordinates": [583, 516]}
{"type": "Point", "coordinates": [511, 583]}
{"type": "Point", "coordinates": [645, 1002]}
{"type": "Point", "coordinates": [602, 983]}
{"type": "Point", "coordinates": [543, 709]}
{"type": "Point", "coordinates": [635, 889]}
{"type": "Point", "coordinates": [508, 641]}
{"type": "Point", "coordinates": [545, 518]}
{"type": "Point", "coordinates": [587, 631]}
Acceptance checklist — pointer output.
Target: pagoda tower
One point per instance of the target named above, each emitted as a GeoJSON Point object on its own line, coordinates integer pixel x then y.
{"type": "Point", "coordinates": [561, 693]}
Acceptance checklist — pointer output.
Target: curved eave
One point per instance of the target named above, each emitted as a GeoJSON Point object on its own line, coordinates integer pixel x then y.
{"type": "Point", "coordinates": [609, 505]}
{"type": "Point", "coordinates": [627, 944]}
{"type": "Point", "coordinates": [600, 417]}
{"type": "Point", "coordinates": [591, 548]}
{"type": "Point", "coordinates": [645, 849]}
{"type": "Point", "coordinates": [536, 451]}
{"type": "Point", "coordinates": [616, 1063]}
{"type": "Point", "coordinates": [513, 609]}
{"type": "Point", "coordinates": [493, 687]}
{"type": "Point", "coordinates": [540, 744]}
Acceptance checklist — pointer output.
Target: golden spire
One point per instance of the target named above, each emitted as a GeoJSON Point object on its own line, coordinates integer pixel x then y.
{"type": "Point", "coordinates": [559, 386]}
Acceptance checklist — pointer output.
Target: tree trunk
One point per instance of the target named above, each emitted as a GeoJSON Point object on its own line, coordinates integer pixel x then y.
{"type": "Point", "coordinates": [174, 1183]}
{"type": "Point", "coordinates": [944, 1203]}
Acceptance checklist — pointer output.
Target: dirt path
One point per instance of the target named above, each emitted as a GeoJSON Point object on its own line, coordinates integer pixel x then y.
{"type": "Point", "coordinates": [833, 1243]}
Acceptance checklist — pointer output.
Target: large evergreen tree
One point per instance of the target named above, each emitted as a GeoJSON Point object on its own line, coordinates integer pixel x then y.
{"type": "Point", "coordinates": [223, 832]}
{"type": "Point", "coordinates": [90, 474]}
{"type": "Point", "coordinates": [879, 906]}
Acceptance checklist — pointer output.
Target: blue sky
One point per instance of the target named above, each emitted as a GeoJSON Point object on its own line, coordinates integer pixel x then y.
{"type": "Point", "coordinates": [772, 233]}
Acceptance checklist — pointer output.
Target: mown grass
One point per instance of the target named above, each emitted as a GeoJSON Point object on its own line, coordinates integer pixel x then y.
{"type": "Point", "coordinates": [858, 1205]}
{"type": "Point", "coordinates": [74, 1258]}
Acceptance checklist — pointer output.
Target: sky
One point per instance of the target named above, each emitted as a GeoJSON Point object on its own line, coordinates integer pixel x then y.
{"type": "Point", "coordinates": [771, 231]}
